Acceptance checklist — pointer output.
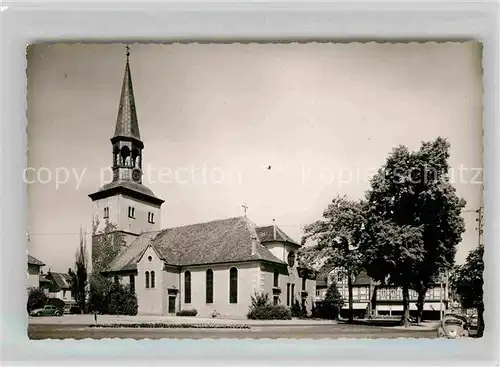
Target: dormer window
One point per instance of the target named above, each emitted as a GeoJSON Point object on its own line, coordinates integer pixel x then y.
{"type": "Point", "coordinates": [151, 217]}
{"type": "Point", "coordinates": [106, 212]}
{"type": "Point", "coordinates": [131, 212]}
{"type": "Point", "coordinates": [291, 259]}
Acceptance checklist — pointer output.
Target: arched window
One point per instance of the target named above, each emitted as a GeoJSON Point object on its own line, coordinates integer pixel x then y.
{"type": "Point", "coordinates": [233, 285]}
{"type": "Point", "coordinates": [152, 279]}
{"type": "Point", "coordinates": [210, 286]}
{"type": "Point", "coordinates": [147, 279]}
{"type": "Point", "coordinates": [276, 279]}
{"type": "Point", "coordinates": [187, 287]}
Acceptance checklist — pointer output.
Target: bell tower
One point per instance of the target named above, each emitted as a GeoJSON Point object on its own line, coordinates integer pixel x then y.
{"type": "Point", "coordinates": [126, 142]}
{"type": "Point", "coordinates": [125, 202]}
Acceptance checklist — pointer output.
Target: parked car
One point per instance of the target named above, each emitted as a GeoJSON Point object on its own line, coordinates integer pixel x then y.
{"type": "Point", "coordinates": [48, 310]}
{"type": "Point", "coordinates": [72, 310]}
{"type": "Point", "coordinates": [453, 326]}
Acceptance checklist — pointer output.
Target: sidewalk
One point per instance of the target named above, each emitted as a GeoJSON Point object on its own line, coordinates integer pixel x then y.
{"type": "Point", "coordinates": [422, 326]}
{"type": "Point", "coordinates": [111, 319]}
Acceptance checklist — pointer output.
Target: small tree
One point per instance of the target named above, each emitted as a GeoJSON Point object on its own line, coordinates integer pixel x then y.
{"type": "Point", "coordinates": [79, 275]}
{"type": "Point", "coordinates": [338, 236]}
{"type": "Point", "coordinates": [36, 299]}
{"type": "Point", "coordinates": [330, 307]}
{"type": "Point", "coordinates": [122, 301]}
{"type": "Point", "coordinates": [468, 284]}
{"type": "Point", "coordinates": [100, 289]}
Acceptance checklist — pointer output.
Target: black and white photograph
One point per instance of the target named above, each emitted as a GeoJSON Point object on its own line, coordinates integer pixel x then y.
{"type": "Point", "coordinates": [313, 190]}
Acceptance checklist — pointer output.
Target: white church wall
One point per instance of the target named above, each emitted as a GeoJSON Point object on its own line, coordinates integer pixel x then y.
{"type": "Point", "coordinates": [112, 203]}
{"type": "Point", "coordinates": [278, 249]}
{"type": "Point", "coordinates": [117, 211]}
{"type": "Point", "coordinates": [248, 280]}
{"type": "Point", "coordinates": [171, 280]}
{"type": "Point", "coordinates": [139, 223]}
{"type": "Point", "coordinates": [150, 300]}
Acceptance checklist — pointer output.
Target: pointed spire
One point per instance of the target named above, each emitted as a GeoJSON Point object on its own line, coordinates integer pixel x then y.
{"type": "Point", "coordinates": [126, 123]}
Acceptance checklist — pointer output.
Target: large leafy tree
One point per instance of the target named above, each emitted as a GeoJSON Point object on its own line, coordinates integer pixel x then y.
{"type": "Point", "coordinates": [391, 254]}
{"type": "Point", "coordinates": [412, 192]}
{"type": "Point", "coordinates": [438, 209]}
{"type": "Point", "coordinates": [79, 276]}
{"type": "Point", "coordinates": [467, 284]}
{"type": "Point", "coordinates": [337, 238]}
{"type": "Point", "coordinates": [107, 243]}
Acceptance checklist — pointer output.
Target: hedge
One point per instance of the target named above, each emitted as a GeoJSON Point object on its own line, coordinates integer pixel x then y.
{"type": "Point", "coordinates": [270, 312]}
{"type": "Point", "coordinates": [191, 312]}
{"type": "Point", "coordinates": [172, 326]}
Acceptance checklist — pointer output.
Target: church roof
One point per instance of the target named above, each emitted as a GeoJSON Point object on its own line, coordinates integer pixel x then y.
{"type": "Point", "coordinates": [127, 187]}
{"type": "Point", "coordinates": [34, 261]}
{"type": "Point", "coordinates": [273, 233]}
{"type": "Point", "coordinates": [218, 241]}
{"type": "Point", "coordinates": [126, 122]}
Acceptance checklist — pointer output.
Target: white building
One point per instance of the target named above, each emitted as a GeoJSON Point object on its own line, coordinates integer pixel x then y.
{"type": "Point", "coordinates": [34, 270]}
{"type": "Point", "coordinates": [370, 297]}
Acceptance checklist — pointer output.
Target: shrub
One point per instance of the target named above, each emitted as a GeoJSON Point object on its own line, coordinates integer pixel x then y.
{"type": "Point", "coordinates": [100, 289]}
{"type": "Point", "coordinates": [270, 312]}
{"type": "Point", "coordinates": [259, 299]}
{"type": "Point", "coordinates": [262, 309]}
{"type": "Point", "coordinates": [159, 325]}
{"type": "Point", "coordinates": [122, 301]}
{"type": "Point", "coordinates": [36, 299]}
{"type": "Point", "coordinates": [59, 303]}
{"type": "Point", "coordinates": [191, 312]}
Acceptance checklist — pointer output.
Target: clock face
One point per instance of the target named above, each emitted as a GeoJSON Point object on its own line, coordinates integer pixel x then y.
{"type": "Point", "coordinates": [136, 175]}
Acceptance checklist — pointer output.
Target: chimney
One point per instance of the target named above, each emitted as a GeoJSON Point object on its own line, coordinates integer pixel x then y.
{"type": "Point", "coordinates": [254, 245]}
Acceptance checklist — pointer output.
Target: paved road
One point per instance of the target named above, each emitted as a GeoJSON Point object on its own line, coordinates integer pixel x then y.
{"type": "Point", "coordinates": [270, 332]}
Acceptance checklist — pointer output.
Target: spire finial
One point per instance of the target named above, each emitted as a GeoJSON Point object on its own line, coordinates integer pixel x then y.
{"type": "Point", "coordinates": [128, 51]}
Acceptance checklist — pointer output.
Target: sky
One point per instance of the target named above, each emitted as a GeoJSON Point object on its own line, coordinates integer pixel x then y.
{"type": "Point", "coordinates": [214, 117]}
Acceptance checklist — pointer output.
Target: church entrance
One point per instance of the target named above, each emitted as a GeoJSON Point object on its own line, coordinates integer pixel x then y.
{"type": "Point", "coordinates": [172, 297]}
{"type": "Point", "coordinates": [171, 304]}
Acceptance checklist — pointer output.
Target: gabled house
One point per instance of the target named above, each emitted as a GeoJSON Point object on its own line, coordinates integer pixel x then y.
{"type": "Point", "coordinates": [34, 271]}
{"type": "Point", "coordinates": [59, 286]}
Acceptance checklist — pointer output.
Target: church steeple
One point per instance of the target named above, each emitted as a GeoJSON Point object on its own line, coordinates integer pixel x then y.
{"type": "Point", "coordinates": [127, 144]}
{"type": "Point", "coordinates": [126, 122]}
{"type": "Point", "coordinates": [125, 201]}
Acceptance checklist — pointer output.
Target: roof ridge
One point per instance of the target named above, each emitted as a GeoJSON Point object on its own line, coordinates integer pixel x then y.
{"type": "Point", "coordinates": [208, 222]}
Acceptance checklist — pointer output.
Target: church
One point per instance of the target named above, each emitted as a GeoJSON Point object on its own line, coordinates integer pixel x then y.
{"type": "Point", "coordinates": [213, 267]}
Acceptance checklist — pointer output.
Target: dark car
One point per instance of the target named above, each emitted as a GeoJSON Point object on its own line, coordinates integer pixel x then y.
{"type": "Point", "coordinates": [48, 310]}
{"type": "Point", "coordinates": [72, 310]}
